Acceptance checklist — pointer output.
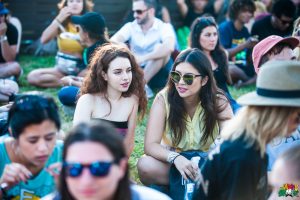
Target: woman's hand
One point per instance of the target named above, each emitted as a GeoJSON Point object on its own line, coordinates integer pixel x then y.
{"type": "Point", "coordinates": [186, 168]}
{"type": "Point", "coordinates": [54, 170]}
{"type": "Point", "coordinates": [64, 13]}
{"type": "Point", "coordinates": [14, 173]}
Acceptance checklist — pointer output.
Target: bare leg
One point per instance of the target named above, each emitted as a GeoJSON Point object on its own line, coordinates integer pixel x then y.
{"type": "Point", "coordinates": [153, 66]}
{"type": "Point", "coordinates": [46, 77]}
{"type": "Point", "coordinates": [153, 171]}
{"type": "Point", "coordinates": [237, 74]}
{"type": "Point", "coordinates": [7, 88]}
{"type": "Point", "coordinates": [10, 69]}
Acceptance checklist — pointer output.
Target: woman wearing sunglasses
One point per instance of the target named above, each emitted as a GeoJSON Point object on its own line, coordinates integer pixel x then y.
{"type": "Point", "coordinates": [32, 152]}
{"type": "Point", "coordinates": [69, 55]}
{"type": "Point", "coordinates": [95, 167]}
{"type": "Point", "coordinates": [187, 115]}
{"type": "Point", "coordinates": [113, 91]}
{"type": "Point", "coordinates": [204, 36]}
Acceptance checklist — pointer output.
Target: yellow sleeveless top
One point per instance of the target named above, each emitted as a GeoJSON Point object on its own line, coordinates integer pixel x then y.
{"type": "Point", "coordinates": [68, 45]}
{"type": "Point", "coordinates": [191, 139]}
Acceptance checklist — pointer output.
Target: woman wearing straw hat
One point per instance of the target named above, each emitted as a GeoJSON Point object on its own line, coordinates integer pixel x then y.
{"type": "Point", "coordinates": [237, 169]}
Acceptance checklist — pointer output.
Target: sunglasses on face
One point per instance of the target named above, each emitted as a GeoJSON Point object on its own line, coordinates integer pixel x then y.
{"type": "Point", "coordinates": [97, 169]}
{"type": "Point", "coordinates": [187, 78]}
{"type": "Point", "coordinates": [139, 12]}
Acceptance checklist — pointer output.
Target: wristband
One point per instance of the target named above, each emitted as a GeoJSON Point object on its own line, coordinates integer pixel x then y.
{"type": "Point", "coordinates": [171, 157]}
{"type": "Point", "coordinates": [175, 158]}
{"type": "Point", "coordinates": [70, 82]}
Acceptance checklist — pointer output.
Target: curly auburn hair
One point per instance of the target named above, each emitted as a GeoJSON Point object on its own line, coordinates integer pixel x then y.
{"type": "Point", "coordinates": [94, 81]}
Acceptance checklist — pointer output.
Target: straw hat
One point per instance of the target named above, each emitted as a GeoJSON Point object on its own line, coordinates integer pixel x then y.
{"type": "Point", "coordinates": [278, 84]}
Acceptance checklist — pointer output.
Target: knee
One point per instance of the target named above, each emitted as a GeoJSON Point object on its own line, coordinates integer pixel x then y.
{"type": "Point", "coordinates": [16, 69]}
{"type": "Point", "coordinates": [33, 78]}
{"type": "Point", "coordinates": [145, 170]}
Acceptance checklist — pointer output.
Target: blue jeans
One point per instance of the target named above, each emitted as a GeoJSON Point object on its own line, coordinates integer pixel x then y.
{"type": "Point", "coordinates": [68, 95]}
{"type": "Point", "coordinates": [160, 79]}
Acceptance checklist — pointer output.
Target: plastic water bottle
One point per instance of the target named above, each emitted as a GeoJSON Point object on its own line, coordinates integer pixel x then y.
{"type": "Point", "coordinates": [190, 184]}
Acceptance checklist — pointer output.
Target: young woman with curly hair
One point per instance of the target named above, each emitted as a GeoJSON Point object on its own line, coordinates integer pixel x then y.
{"type": "Point", "coordinates": [113, 90]}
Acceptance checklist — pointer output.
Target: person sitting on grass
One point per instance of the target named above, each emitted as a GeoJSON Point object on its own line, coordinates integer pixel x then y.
{"type": "Point", "coordinates": [96, 167]}
{"type": "Point", "coordinates": [31, 155]}
{"type": "Point", "coordinates": [9, 68]}
{"type": "Point", "coordinates": [69, 56]}
{"type": "Point", "coordinates": [187, 114]}
{"type": "Point", "coordinates": [113, 90]}
{"type": "Point", "coordinates": [93, 33]}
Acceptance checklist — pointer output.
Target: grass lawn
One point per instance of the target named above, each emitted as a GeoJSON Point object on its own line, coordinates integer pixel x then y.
{"type": "Point", "coordinates": [29, 63]}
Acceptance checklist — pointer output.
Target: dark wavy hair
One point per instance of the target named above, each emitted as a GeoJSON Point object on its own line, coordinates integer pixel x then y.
{"type": "Point", "coordinates": [208, 96]}
{"type": "Point", "coordinates": [103, 134]}
{"type": "Point", "coordinates": [95, 83]}
{"type": "Point", "coordinates": [239, 6]}
{"type": "Point", "coordinates": [218, 54]}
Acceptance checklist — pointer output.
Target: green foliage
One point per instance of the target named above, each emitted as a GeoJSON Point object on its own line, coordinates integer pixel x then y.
{"type": "Point", "coordinates": [29, 63]}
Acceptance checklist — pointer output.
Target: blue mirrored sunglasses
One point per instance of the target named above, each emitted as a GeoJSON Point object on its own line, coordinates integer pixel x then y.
{"type": "Point", "coordinates": [97, 169]}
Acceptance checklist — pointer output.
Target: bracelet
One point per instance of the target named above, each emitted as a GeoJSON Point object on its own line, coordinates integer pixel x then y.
{"type": "Point", "coordinates": [172, 156]}
{"type": "Point", "coordinates": [175, 158]}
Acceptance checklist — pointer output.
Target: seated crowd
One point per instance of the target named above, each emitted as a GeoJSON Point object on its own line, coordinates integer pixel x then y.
{"type": "Point", "coordinates": [241, 146]}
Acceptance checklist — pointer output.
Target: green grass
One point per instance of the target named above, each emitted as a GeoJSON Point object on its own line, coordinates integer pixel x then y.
{"type": "Point", "coordinates": [29, 63]}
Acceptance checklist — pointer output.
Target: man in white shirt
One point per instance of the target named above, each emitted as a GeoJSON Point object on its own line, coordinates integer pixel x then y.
{"type": "Point", "coordinates": [151, 41]}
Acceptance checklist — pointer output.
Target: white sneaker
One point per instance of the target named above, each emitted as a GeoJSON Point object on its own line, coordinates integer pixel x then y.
{"type": "Point", "coordinates": [149, 92]}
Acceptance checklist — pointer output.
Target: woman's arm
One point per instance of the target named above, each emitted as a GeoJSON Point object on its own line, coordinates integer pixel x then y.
{"type": "Point", "coordinates": [129, 139]}
{"type": "Point", "coordinates": [226, 113]}
{"type": "Point", "coordinates": [52, 30]}
{"type": "Point", "coordinates": [183, 8]}
{"type": "Point", "coordinates": [84, 109]}
{"type": "Point", "coordinates": [166, 15]}
{"type": "Point", "coordinates": [155, 129]}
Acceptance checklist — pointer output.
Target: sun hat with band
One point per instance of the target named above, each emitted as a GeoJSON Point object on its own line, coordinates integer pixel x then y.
{"type": "Point", "coordinates": [278, 84]}
{"type": "Point", "coordinates": [265, 45]}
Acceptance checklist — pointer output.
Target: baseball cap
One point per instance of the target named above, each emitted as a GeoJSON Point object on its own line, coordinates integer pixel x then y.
{"type": "Point", "coordinates": [91, 22]}
{"type": "Point", "coordinates": [265, 45]}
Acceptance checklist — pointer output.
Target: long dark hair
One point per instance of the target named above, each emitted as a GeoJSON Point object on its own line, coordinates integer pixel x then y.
{"type": "Point", "coordinates": [218, 54]}
{"type": "Point", "coordinates": [208, 98]}
{"type": "Point", "coordinates": [106, 135]}
{"type": "Point", "coordinates": [95, 83]}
